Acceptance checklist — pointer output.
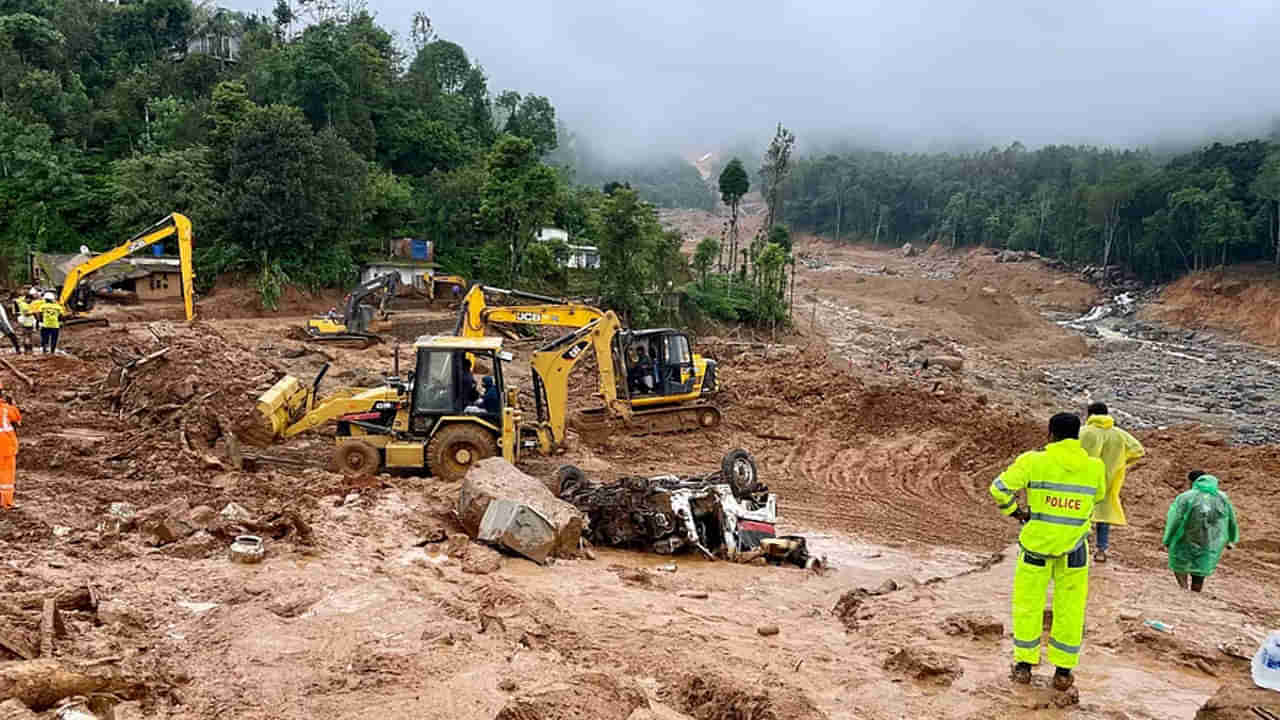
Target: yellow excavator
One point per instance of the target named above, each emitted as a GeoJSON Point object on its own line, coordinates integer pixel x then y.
{"type": "Point", "coordinates": [665, 387]}
{"type": "Point", "coordinates": [78, 295]}
{"type": "Point", "coordinates": [353, 326]}
{"type": "Point", "coordinates": [649, 381]}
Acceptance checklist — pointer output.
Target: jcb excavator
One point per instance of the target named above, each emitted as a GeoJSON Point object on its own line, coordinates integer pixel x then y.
{"type": "Point", "coordinates": [353, 326]}
{"type": "Point", "coordinates": [667, 388]}
{"type": "Point", "coordinates": [666, 385]}
{"type": "Point", "coordinates": [430, 421]}
{"type": "Point", "coordinates": [78, 296]}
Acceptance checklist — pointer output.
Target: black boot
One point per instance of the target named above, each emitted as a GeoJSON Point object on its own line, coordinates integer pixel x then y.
{"type": "Point", "coordinates": [1063, 679]}
{"type": "Point", "coordinates": [1021, 673]}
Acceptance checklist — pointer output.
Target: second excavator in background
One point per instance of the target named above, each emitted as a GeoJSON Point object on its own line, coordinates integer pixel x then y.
{"type": "Point", "coordinates": [353, 326]}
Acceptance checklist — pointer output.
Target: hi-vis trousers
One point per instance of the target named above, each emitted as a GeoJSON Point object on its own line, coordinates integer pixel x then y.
{"type": "Point", "coordinates": [1070, 576]}
{"type": "Point", "coordinates": [8, 472]}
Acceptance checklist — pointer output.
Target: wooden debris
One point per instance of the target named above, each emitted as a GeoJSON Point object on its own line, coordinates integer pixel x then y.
{"type": "Point", "coordinates": [41, 683]}
{"type": "Point", "coordinates": [74, 598]}
{"type": "Point", "coordinates": [13, 641]}
{"type": "Point", "coordinates": [51, 625]}
{"type": "Point", "coordinates": [21, 375]}
{"type": "Point", "coordinates": [233, 445]}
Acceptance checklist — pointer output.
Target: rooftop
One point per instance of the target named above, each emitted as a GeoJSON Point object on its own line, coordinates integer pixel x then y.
{"type": "Point", "coordinates": [453, 342]}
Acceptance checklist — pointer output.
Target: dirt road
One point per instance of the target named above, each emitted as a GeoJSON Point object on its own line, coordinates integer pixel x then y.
{"type": "Point", "coordinates": [359, 610]}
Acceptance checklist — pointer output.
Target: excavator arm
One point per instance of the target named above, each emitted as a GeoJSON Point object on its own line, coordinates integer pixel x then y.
{"type": "Point", "coordinates": [553, 363]}
{"type": "Point", "coordinates": [475, 316]}
{"type": "Point", "coordinates": [175, 224]}
{"type": "Point", "coordinates": [389, 283]}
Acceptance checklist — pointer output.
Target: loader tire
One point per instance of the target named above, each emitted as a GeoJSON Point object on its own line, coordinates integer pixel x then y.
{"type": "Point", "coordinates": [357, 459]}
{"type": "Point", "coordinates": [738, 469]}
{"type": "Point", "coordinates": [455, 448]}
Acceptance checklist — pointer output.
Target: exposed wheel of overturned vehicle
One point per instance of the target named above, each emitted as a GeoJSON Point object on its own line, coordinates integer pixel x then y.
{"type": "Point", "coordinates": [738, 469]}
{"type": "Point", "coordinates": [356, 459]}
{"type": "Point", "coordinates": [454, 448]}
{"type": "Point", "coordinates": [569, 479]}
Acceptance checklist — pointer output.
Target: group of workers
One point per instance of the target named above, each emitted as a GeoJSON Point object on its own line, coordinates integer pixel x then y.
{"type": "Point", "coordinates": [35, 311]}
{"type": "Point", "coordinates": [1075, 483]}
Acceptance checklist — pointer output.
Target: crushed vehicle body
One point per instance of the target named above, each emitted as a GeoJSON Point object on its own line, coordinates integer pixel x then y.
{"type": "Point", "coordinates": [725, 514]}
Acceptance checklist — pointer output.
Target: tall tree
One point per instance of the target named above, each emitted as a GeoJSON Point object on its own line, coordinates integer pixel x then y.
{"type": "Point", "coordinates": [774, 170]}
{"type": "Point", "coordinates": [734, 184]}
{"type": "Point", "coordinates": [518, 197]}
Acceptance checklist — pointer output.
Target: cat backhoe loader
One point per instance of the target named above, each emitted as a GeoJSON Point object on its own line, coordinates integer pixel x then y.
{"type": "Point", "coordinates": [352, 327]}
{"type": "Point", "coordinates": [78, 295]}
{"type": "Point", "coordinates": [428, 421]}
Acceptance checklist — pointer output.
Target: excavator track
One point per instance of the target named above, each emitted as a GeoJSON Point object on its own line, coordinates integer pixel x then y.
{"type": "Point", "coordinates": [676, 419]}
{"type": "Point", "coordinates": [346, 340]}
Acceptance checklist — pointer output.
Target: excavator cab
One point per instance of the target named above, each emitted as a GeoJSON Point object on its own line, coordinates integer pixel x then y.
{"type": "Point", "coordinates": [661, 367]}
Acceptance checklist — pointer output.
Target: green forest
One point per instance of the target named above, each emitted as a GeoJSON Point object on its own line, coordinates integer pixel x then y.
{"type": "Point", "coordinates": [1154, 217]}
{"type": "Point", "coordinates": [296, 157]}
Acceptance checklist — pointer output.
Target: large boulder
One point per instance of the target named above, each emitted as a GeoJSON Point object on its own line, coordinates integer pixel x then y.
{"type": "Point", "coordinates": [1237, 702]}
{"type": "Point", "coordinates": [523, 502]}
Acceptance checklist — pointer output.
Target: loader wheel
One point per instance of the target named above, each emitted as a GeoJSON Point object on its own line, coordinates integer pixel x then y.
{"type": "Point", "coordinates": [455, 448]}
{"type": "Point", "coordinates": [738, 469]}
{"type": "Point", "coordinates": [357, 459]}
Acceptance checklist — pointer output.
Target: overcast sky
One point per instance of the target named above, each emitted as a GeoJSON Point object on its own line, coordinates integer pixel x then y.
{"type": "Point", "coordinates": [917, 73]}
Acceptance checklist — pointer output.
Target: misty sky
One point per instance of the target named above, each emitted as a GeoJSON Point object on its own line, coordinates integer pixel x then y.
{"type": "Point", "coordinates": [909, 73]}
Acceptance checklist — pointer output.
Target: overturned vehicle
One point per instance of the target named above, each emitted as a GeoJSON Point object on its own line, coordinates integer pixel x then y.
{"type": "Point", "coordinates": [725, 514]}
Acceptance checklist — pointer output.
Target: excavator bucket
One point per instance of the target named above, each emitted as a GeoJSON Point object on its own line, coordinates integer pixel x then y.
{"type": "Point", "coordinates": [275, 410]}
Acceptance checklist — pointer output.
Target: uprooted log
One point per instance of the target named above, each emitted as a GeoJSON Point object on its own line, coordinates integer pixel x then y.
{"type": "Point", "coordinates": [20, 375]}
{"type": "Point", "coordinates": [72, 598]}
{"type": "Point", "coordinates": [41, 683]}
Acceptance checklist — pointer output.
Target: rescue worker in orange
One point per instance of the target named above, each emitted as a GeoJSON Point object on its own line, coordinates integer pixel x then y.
{"type": "Point", "coordinates": [9, 417]}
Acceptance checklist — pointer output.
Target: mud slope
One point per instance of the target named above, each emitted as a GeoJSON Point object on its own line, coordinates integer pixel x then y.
{"type": "Point", "coordinates": [1242, 300]}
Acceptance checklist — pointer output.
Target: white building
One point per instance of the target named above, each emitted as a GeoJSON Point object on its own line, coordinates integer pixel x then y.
{"type": "Point", "coordinates": [581, 257]}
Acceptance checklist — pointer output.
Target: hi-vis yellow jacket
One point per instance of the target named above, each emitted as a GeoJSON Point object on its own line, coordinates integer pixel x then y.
{"type": "Point", "coordinates": [1062, 483]}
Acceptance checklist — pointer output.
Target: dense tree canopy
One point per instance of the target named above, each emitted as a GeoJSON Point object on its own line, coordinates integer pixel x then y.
{"type": "Point", "coordinates": [1083, 204]}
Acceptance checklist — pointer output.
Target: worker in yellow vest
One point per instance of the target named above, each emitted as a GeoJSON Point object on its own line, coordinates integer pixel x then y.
{"type": "Point", "coordinates": [1063, 484]}
{"type": "Point", "coordinates": [27, 318]}
{"type": "Point", "coordinates": [51, 312]}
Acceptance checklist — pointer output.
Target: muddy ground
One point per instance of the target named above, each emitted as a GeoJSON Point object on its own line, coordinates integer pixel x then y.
{"type": "Point", "coordinates": [359, 608]}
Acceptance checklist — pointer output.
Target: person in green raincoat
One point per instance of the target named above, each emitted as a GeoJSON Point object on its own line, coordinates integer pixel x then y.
{"type": "Point", "coordinates": [1201, 522]}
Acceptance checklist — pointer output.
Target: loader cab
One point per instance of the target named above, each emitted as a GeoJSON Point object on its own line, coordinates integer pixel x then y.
{"type": "Point", "coordinates": [449, 376]}
{"type": "Point", "coordinates": [659, 362]}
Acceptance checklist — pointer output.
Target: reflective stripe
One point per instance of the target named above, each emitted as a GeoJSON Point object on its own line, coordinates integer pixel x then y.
{"type": "Point", "coordinates": [999, 485]}
{"type": "Point", "coordinates": [1059, 519]}
{"type": "Point", "coordinates": [1073, 649]}
{"type": "Point", "coordinates": [1026, 644]}
{"type": "Point", "coordinates": [1063, 487]}
{"type": "Point", "coordinates": [1009, 504]}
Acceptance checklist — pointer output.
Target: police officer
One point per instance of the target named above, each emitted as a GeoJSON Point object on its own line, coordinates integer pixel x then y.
{"type": "Point", "coordinates": [1062, 485]}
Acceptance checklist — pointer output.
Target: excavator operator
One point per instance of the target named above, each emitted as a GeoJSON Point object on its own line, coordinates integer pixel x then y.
{"type": "Point", "coordinates": [641, 376]}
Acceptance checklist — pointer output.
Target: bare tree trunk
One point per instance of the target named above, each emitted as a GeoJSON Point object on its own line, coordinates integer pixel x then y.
{"type": "Point", "coordinates": [879, 222]}
{"type": "Point", "coordinates": [1044, 209]}
{"type": "Point", "coordinates": [840, 209]}
{"type": "Point", "coordinates": [1275, 233]}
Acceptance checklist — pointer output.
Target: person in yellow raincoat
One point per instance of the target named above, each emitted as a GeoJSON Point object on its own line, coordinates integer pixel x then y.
{"type": "Point", "coordinates": [1062, 485]}
{"type": "Point", "coordinates": [1118, 450]}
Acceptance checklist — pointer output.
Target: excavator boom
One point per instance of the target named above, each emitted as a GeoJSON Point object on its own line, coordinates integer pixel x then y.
{"type": "Point", "coordinates": [175, 224]}
{"type": "Point", "coordinates": [474, 316]}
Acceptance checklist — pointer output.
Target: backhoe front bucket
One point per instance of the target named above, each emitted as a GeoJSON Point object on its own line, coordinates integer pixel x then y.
{"type": "Point", "coordinates": [276, 409]}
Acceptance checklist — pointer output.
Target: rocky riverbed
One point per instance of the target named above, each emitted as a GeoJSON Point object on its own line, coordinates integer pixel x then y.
{"type": "Point", "coordinates": [1153, 376]}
